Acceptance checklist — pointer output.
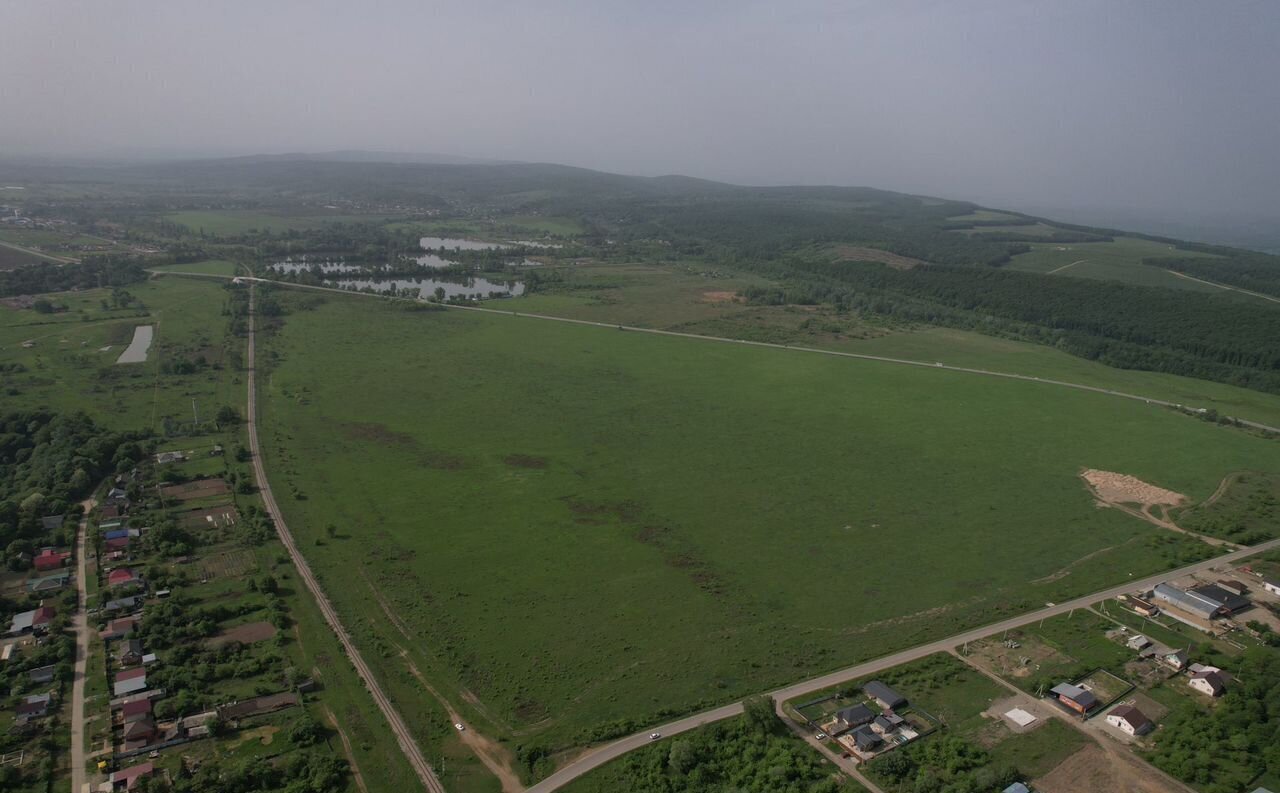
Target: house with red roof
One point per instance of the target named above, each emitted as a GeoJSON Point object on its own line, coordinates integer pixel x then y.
{"type": "Point", "coordinates": [123, 576]}
{"type": "Point", "coordinates": [49, 559]}
{"type": "Point", "coordinates": [127, 778]}
{"type": "Point", "coordinates": [135, 711]}
{"type": "Point", "coordinates": [119, 628]}
{"type": "Point", "coordinates": [130, 681]}
{"type": "Point", "coordinates": [117, 544]}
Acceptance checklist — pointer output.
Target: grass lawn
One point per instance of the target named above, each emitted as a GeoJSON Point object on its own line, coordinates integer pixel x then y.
{"type": "Point", "coordinates": [1119, 260]}
{"type": "Point", "coordinates": [68, 369]}
{"type": "Point", "coordinates": [577, 526]}
{"type": "Point", "coordinates": [1038, 752]}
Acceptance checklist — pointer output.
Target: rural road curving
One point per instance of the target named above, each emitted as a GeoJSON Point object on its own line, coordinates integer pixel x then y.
{"type": "Point", "coordinates": [604, 754]}
{"type": "Point", "coordinates": [405, 738]}
{"type": "Point", "coordinates": [699, 337]}
{"type": "Point", "coordinates": [81, 626]}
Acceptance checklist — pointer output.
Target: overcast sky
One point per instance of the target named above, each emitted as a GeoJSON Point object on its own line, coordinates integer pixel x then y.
{"type": "Point", "coordinates": [1150, 105]}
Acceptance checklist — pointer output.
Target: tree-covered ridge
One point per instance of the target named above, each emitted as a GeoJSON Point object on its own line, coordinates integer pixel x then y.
{"type": "Point", "coordinates": [98, 271]}
{"type": "Point", "coordinates": [1257, 272]}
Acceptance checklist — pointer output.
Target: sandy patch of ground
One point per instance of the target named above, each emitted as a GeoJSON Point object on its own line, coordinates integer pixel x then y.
{"type": "Point", "coordinates": [853, 253]}
{"type": "Point", "coordinates": [1114, 488]}
{"type": "Point", "coordinates": [1014, 662]}
{"type": "Point", "coordinates": [720, 297]}
{"type": "Point", "coordinates": [1092, 770]}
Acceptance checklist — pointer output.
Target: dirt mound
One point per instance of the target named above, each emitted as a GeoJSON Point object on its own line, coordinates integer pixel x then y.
{"type": "Point", "coordinates": [720, 297]}
{"type": "Point", "coordinates": [1116, 488]}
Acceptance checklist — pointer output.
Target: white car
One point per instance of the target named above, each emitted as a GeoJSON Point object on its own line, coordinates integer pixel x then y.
{"type": "Point", "coordinates": [459, 727]}
{"type": "Point", "coordinates": [653, 736]}
{"type": "Point", "coordinates": [822, 736]}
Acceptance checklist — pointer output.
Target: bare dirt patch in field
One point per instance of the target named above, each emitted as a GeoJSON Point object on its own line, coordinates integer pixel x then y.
{"type": "Point", "coordinates": [853, 253]}
{"type": "Point", "coordinates": [721, 297]}
{"type": "Point", "coordinates": [1113, 488]}
{"type": "Point", "coordinates": [378, 433]}
{"type": "Point", "coordinates": [221, 517]}
{"type": "Point", "coordinates": [200, 488]}
{"type": "Point", "coordinates": [244, 634]}
{"type": "Point", "coordinates": [1014, 662]}
{"type": "Point", "coordinates": [1091, 770]}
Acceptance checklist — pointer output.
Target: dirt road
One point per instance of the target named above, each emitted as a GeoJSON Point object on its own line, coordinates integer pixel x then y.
{"type": "Point", "coordinates": [1224, 286]}
{"type": "Point", "coordinates": [405, 738]}
{"type": "Point", "coordinates": [80, 623]}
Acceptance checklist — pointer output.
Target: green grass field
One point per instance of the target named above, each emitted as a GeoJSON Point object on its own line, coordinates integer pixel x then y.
{"type": "Point", "coordinates": [68, 369]}
{"type": "Point", "coordinates": [580, 525]}
{"type": "Point", "coordinates": [1031, 229]}
{"type": "Point", "coordinates": [230, 222]}
{"type": "Point", "coordinates": [212, 267]}
{"type": "Point", "coordinates": [1119, 260]}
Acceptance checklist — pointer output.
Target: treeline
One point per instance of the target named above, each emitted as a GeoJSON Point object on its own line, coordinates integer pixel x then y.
{"type": "Point", "coordinates": [750, 754]}
{"type": "Point", "coordinates": [48, 461]}
{"type": "Point", "coordinates": [1257, 272]}
{"type": "Point", "coordinates": [1225, 748]}
{"type": "Point", "coordinates": [1121, 325]}
{"type": "Point", "coordinates": [94, 272]}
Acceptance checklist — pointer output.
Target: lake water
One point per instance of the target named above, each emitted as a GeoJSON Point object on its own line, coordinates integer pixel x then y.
{"type": "Point", "coordinates": [473, 287]}
{"type": "Point", "coordinates": [136, 352]}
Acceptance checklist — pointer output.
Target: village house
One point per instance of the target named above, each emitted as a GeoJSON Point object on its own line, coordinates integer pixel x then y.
{"type": "Point", "coordinates": [49, 583]}
{"type": "Point", "coordinates": [35, 706]}
{"type": "Point", "coordinates": [1177, 659]}
{"type": "Point", "coordinates": [34, 621]}
{"type": "Point", "coordinates": [1209, 683]}
{"type": "Point", "coordinates": [886, 697]}
{"type": "Point", "coordinates": [127, 778]}
{"type": "Point", "coordinates": [852, 717]}
{"type": "Point", "coordinates": [1138, 642]}
{"type": "Point", "coordinates": [119, 628]}
{"type": "Point", "coordinates": [1074, 697]}
{"type": "Point", "coordinates": [49, 559]}
{"type": "Point", "coordinates": [123, 577]}
{"type": "Point", "coordinates": [865, 739]}
{"type": "Point", "coordinates": [1129, 720]}
{"type": "Point", "coordinates": [130, 681]}
{"type": "Point", "coordinates": [42, 674]}
{"type": "Point", "coordinates": [134, 711]}
{"type": "Point", "coordinates": [1271, 584]}
{"type": "Point", "coordinates": [1144, 607]}
{"type": "Point", "coordinates": [129, 653]}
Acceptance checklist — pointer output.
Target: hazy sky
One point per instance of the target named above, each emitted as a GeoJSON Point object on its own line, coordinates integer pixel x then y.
{"type": "Point", "coordinates": [1161, 104]}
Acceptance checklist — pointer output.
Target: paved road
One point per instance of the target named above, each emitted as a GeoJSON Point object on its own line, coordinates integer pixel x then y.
{"type": "Point", "coordinates": [81, 626]}
{"type": "Point", "coordinates": [407, 745]}
{"type": "Point", "coordinates": [43, 255]}
{"type": "Point", "coordinates": [834, 353]}
{"type": "Point", "coordinates": [620, 747]}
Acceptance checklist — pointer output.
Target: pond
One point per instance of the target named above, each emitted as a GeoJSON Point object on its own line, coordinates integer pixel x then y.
{"type": "Point", "coordinates": [472, 287]}
{"type": "Point", "coordinates": [451, 243]}
{"type": "Point", "coordinates": [136, 352]}
{"type": "Point", "coordinates": [305, 265]}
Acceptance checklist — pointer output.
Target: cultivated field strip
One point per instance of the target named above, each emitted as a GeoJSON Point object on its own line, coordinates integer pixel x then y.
{"type": "Point", "coordinates": [407, 745]}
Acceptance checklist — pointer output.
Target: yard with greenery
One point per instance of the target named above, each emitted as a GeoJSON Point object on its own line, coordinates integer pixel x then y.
{"type": "Point", "coordinates": [509, 457]}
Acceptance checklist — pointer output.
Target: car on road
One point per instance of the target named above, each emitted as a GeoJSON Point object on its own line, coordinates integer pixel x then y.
{"type": "Point", "coordinates": [822, 736]}
{"type": "Point", "coordinates": [653, 736]}
{"type": "Point", "coordinates": [459, 727]}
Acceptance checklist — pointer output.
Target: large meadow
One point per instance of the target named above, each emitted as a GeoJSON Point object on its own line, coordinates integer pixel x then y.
{"type": "Point", "coordinates": [571, 531]}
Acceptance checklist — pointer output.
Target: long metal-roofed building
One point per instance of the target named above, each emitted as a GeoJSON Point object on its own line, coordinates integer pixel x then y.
{"type": "Point", "coordinates": [1190, 602]}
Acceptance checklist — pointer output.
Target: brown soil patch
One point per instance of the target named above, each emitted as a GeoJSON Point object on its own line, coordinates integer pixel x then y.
{"type": "Point", "coordinates": [1113, 488]}
{"type": "Point", "coordinates": [378, 433]}
{"type": "Point", "coordinates": [244, 634]}
{"type": "Point", "coordinates": [721, 297]}
{"type": "Point", "coordinates": [200, 488]}
{"type": "Point", "coordinates": [1091, 770]}
{"type": "Point", "coordinates": [853, 253]}
{"type": "Point", "coordinates": [214, 517]}
{"type": "Point", "coordinates": [1007, 662]}
{"type": "Point", "coordinates": [525, 461]}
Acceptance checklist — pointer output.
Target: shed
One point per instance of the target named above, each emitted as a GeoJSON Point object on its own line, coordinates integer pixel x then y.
{"type": "Point", "coordinates": [127, 779]}
{"type": "Point", "coordinates": [1075, 697]}
{"type": "Point", "coordinates": [883, 694]}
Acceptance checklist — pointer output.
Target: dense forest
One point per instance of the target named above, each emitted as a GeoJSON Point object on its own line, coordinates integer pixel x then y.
{"type": "Point", "coordinates": [93, 272]}
{"type": "Point", "coordinates": [47, 462]}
